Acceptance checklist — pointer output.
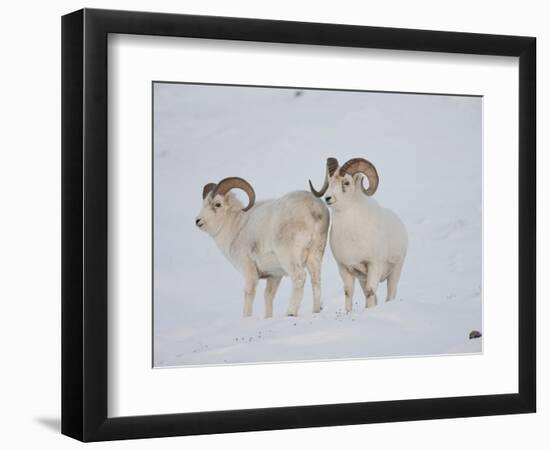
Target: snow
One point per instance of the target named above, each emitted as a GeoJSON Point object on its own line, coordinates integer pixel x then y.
{"type": "Point", "coordinates": [427, 149]}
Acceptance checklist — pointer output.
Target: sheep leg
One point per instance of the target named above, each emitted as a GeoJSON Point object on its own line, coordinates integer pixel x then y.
{"type": "Point", "coordinates": [249, 293]}
{"type": "Point", "coordinates": [271, 287]}
{"type": "Point", "coordinates": [363, 284]}
{"type": "Point", "coordinates": [373, 278]}
{"type": "Point", "coordinates": [349, 285]}
{"type": "Point", "coordinates": [393, 279]}
{"type": "Point", "coordinates": [298, 277]}
{"type": "Point", "coordinates": [313, 265]}
{"type": "Point", "coordinates": [293, 263]}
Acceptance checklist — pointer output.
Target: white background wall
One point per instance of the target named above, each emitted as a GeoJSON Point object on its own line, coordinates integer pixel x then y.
{"type": "Point", "coordinates": [30, 225]}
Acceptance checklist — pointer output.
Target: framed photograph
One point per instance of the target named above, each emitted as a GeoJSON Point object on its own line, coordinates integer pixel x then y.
{"type": "Point", "coordinates": [272, 224]}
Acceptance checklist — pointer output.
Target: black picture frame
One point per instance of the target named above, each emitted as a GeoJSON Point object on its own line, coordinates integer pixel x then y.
{"type": "Point", "coordinates": [84, 224]}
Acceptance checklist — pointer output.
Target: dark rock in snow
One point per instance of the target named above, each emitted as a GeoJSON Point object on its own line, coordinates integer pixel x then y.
{"type": "Point", "coordinates": [475, 334]}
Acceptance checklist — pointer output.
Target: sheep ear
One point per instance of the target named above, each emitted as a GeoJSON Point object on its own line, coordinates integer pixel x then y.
{"type": "Point", "coordinates": [358, 180]}
{"type": "Point", "coordinates": [207, 189]}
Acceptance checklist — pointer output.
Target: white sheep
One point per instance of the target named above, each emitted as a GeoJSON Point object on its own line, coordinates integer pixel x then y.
{"type": "Point", "coordinates": [369, 242]}
{"type": "Point", "coordinates": [268, 239]}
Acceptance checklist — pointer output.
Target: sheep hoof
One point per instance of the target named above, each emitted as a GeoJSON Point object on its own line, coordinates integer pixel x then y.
{"type": "Point", "coordinates": [316, 310]}
{"type": "Point", "coordinates": [291, 314]}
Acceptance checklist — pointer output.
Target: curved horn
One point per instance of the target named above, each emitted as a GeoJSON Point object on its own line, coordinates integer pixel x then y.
{"type": "Point", "coordinates": [227, 184]}
{"type": "Point", "coordinates": [332, 165]}
{"type": "Point", "coordinates": [360, 165]}
{"type": "Point", "coordinates": [207, 188]}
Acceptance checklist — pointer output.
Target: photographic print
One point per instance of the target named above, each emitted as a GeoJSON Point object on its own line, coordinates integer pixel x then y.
{"type": "Point", "coordinates": [294, 224]}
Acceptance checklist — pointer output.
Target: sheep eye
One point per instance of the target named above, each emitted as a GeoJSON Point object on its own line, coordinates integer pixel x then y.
{"type": "Point", "coordinates": [346, 183]}
{"type": "Point", "coordinates": [217, 205]}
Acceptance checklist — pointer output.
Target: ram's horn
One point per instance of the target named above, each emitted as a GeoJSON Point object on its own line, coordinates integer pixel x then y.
{"type": "Point", "coordinates": [207, 188]}
{"type": "Point", "coordinates": [360, 165]}
{"type": "Point", "coordinates": [227, 184]}
{"type": "Point", "coordinates": [332, 165]}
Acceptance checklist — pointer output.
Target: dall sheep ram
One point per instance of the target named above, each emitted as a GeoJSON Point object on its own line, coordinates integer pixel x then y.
{"type": "Point", "coordinates": [369, 242]}
{"type": "Point", "coordinates": [268, 239]}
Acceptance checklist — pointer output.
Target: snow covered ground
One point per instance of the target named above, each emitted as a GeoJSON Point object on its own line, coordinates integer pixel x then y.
{"type": "Point", "coordinates": [427, 149]}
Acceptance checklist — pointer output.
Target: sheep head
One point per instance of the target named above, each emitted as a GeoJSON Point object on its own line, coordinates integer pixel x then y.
{"type": "Point", "coordinates": [217, 201]}
{"type": "Point", "coordinates": [346, 179]}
